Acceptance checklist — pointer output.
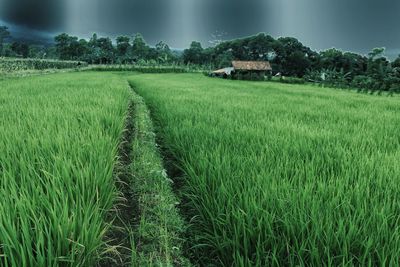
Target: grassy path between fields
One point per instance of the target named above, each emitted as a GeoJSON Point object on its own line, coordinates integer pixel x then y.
{"type": "Point", "coordinates": [147, 227]}
{"type": "Point", "coordinates": [125, 213]}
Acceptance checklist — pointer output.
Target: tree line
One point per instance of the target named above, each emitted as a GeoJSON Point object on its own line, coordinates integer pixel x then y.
{"type": "Point", "coordinates": [101, 50]}
{"type": "Point", "coordinates": [287, 55]}
{"type": "Point", "coordinates": [290, 57]}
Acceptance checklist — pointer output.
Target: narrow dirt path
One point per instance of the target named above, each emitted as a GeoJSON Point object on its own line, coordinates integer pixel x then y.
{"type": "Point", "coordinates": [146, 227]}
{"type": "Point", "coordinates": [126, 211]}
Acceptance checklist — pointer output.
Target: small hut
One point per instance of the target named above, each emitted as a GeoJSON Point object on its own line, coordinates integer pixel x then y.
{"type": "Point", "coordinates": [251, 70]}
{"type": "Point", "coordinates": [224, 73]}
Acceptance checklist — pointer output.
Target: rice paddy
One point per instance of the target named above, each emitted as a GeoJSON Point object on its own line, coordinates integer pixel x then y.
{"type": "Point", "coordinates": [265, 174]}
{"type": "Point", "coordinates": [281, 175]}
{"type": "Point", "coordinates": [59, 136]}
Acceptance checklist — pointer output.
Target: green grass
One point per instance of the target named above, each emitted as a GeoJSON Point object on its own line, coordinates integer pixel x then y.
{"type": "Point", "coordinates": [160, 227]}
{"type": "Point", "coordinates": [282, 174]}
{"type": "Point", "coordinates": [59, 136]}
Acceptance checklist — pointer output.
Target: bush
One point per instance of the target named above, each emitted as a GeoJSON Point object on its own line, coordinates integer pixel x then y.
{"type": "Point", "coordinates": [257, 77]}
{"type": "Point", "coordinates": [292, 80]}
{"type": "Point", "coordinates": [148, 69]}
{"type": "Point", "coordinates": [18, 64]}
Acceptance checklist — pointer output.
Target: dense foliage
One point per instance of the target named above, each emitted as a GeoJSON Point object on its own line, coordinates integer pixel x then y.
{"type": "Point", "coordinates": [282, 175]}
{"type": "Point", "coordinates": [373, 73]}
{"type": "Point", "coordinates": [103, 51]}
{"type": "Point", "coordinates": [289, 57]}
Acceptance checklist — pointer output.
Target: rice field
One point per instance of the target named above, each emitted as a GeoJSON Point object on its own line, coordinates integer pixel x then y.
{"type": "Point", "coordinates": [281, 175]}
{"type": "Point", "coordinates": [59, 136]}
{"type": "Point", "coordinates": [266, 174]}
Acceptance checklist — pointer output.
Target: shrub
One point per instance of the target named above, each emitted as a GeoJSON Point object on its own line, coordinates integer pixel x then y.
{"type": "Point", "coordinates": [18, 64]}
{"type": "Point", "coordinates": [292, 80]}
{"type": "Point", "coordinates": [148, 69]}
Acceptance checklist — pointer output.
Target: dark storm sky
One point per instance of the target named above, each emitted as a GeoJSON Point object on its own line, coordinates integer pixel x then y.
{"type": "Point", "coordinates": [356, 25]}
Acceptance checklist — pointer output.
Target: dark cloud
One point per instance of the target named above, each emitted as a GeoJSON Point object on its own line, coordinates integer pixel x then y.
{"type": "Point", "coordinates": [237, 17]}
{"type": "Point", "coordinates": [148, 17]}
{"type": "Point", "coordinates": [36, 14]}
{"type": "Point", "coordinates": [347, 24]}
{"type": "Point", "coordinates": [357, 25]}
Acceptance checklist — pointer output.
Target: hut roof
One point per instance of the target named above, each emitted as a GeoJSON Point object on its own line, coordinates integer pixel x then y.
{"type": "Point", "coordinates": [251, 65]}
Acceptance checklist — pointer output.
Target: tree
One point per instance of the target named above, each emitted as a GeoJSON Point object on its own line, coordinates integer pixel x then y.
{"type": "Point", "coordinates": [82, 49]}
{"type": "Point", "coordinates": [21, 49]}
{"type": "Point", "coordinates": [377, 64]}
{"type": "Point", "coordinates": [106, 50]}
{"type": "Point", "coordinates": [334, 59]}
{"type": "Point", "coordinates": [93, 55]}
{"type": "Point", "coordinates": [376, 52]}
{"type": "Point", "coordinates": [225, 59]}
{"type": "Point", "coordinates": [163, 52]}
{"type": "Point", "coordinates": [40, 51]}
{"type": "Point", "coordinates": [260, 46]}
{"type": "Point", "coordinates": [62, 45]}
{"type": "Point", "coordinates": [139, 47]}
{"type": "Point", "coordinates": [66, 46]}
{"type": "Point", "coordinates": [194, 54]}
{"type": "Point", "coordinates": [70, 48]}
{"type": "Point", "coordinates": [292, 57]}
{"type": "Point", "coordinates": [123, 47]}
{"type": "Point", "coordinates": [297, 64]}
{"type": "Point", "coordinates": [100, 50]}
{"type": "Point", "coordinates": [4, 34]}
{"type": "Point", "coordinates": [396, 63]}
{"type": "Point", "coordinates": [76, 48]}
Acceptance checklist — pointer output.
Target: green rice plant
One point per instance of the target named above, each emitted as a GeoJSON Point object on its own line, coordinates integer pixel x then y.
{"type": "Point", "coordinates": [279, 174]}
{"type": "Point", "coordinates": [59, 136]}
{"type": "Point", "coordinates": [19, 64]}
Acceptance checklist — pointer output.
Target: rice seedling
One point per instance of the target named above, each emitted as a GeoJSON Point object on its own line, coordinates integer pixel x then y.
{"type": "Point", "coordinates": [282, 175]}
